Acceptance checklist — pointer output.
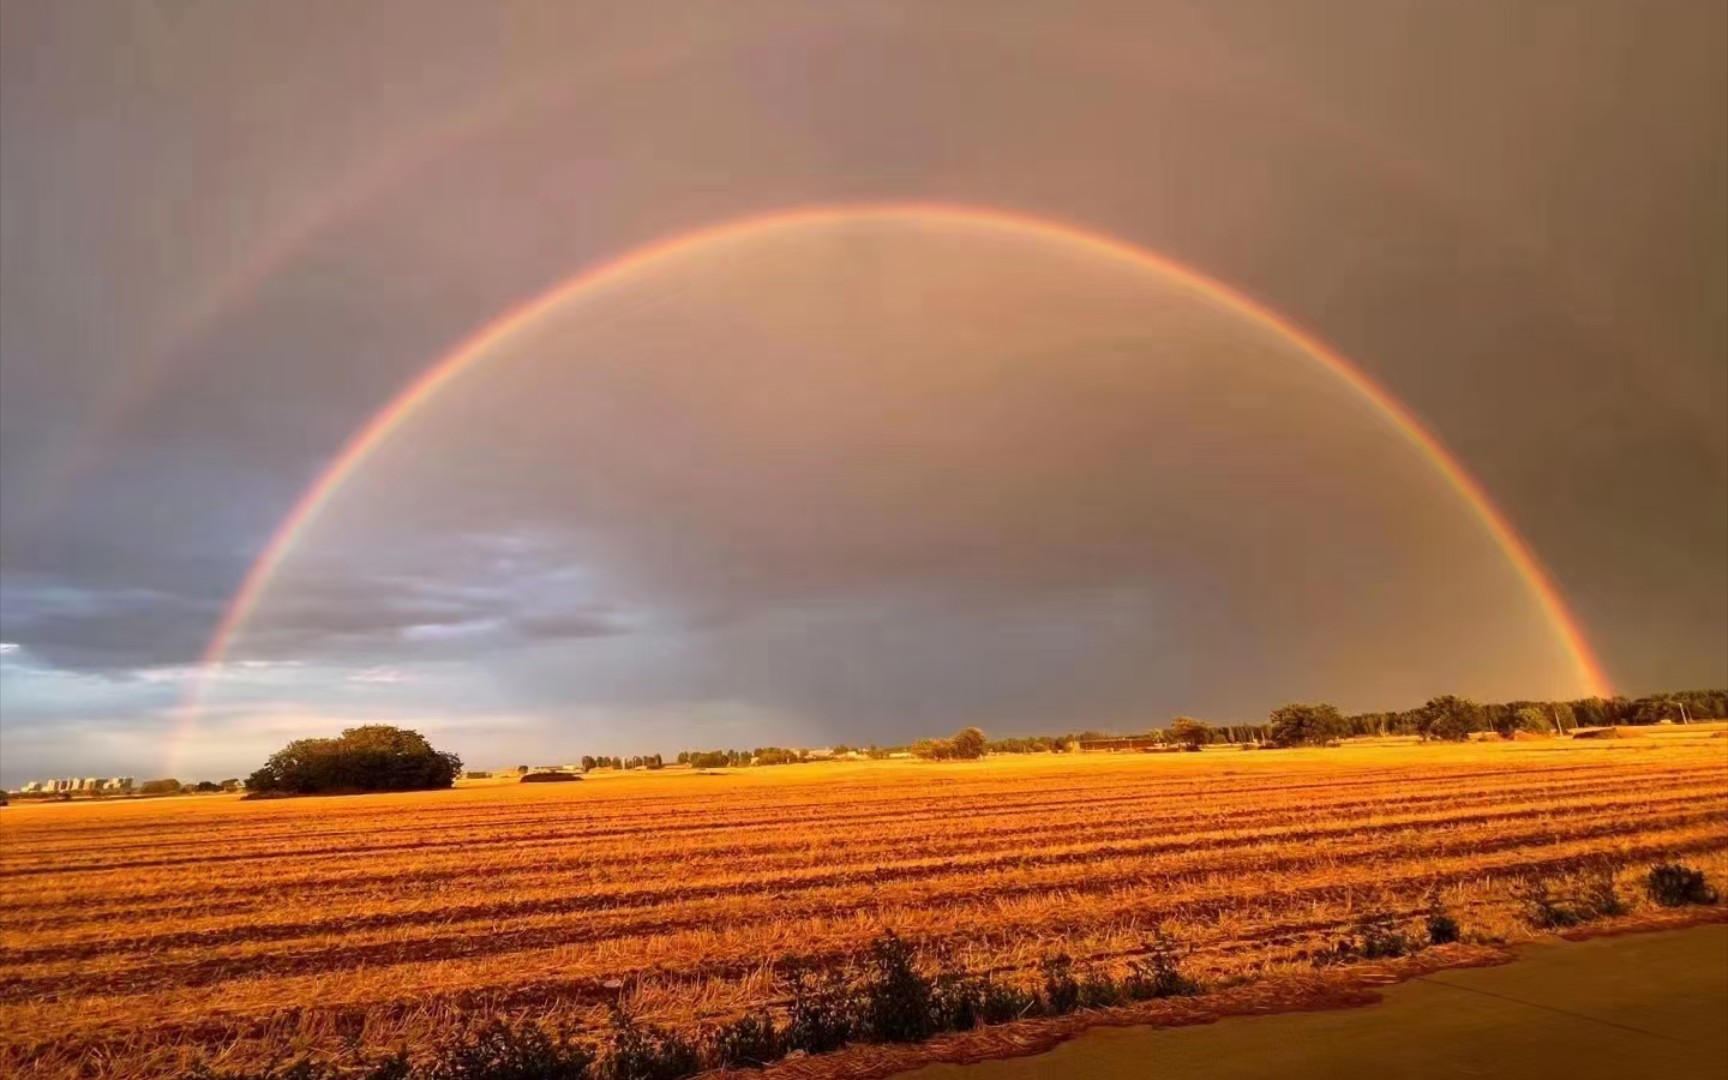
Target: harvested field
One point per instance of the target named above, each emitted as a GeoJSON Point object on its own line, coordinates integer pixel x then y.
{"type": "Point", "coordinates": [137, 937]}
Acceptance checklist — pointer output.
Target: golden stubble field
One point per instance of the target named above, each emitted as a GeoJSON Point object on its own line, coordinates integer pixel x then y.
{"type": "Point", "coordinates": [138, 936]}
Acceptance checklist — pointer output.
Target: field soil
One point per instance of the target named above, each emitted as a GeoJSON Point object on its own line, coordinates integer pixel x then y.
{"type": "Point", "coordinates": [137, 937]}
{"type": "Point", "coordinates": [1652, 1004]}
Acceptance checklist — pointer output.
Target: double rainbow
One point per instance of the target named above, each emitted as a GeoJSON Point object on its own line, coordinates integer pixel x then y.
{"type": "Point", "coordinates": [490, 339]}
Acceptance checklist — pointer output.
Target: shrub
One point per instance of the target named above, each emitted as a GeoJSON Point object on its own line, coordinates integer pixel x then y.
{"type": "Point", "coordinates": [820, 1017]}
{"type": "Point", "coordinates": [549, 778]}
{"type": "Point", "coordinates": [1100, 992]}
{"type": "Point", "coordinates": [498, 1051]}
{"type": "Point", "coordinates": [645, 1052]}
{"type": "Point", "coordinates": [1375, 937]}
{"type": "Point", "coordinates": [896, 998]}
{"type": "Point", "coordinates": [1061, 992]}
{"type": "Point", "coordinates": [1542, 909]}
{"type": "Point", "coordinates": [1590, 894]}
{"type": "Point", "coordinates": [998, 1003]}
{"type": "Point", "coordinates": [747, 1042]}
{"type": "Point", "coordinates": [957, 1001]}
{"type": "Point", "coordinates": [1676, 885]}
{"type": "Point", "coordinates": [1442, 927]}
{"type": "Point", "coordinates": [376, 757]}
{"type": "Point", "coordinates": [1159, 973]}
{"type": "Point", "coordinates": [1597, 896]}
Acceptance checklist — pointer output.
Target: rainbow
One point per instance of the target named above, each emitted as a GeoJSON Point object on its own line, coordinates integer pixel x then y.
{"type": "Point", "coordinates": [490, 338]}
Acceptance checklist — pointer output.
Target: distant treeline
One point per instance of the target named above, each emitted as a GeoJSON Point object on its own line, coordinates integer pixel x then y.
{"type": "Point", "coordinates": [1444, 718]}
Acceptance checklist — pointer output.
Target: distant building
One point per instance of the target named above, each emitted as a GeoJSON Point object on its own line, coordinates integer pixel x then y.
{"type": "Point", "coordinates": [1135, 743]}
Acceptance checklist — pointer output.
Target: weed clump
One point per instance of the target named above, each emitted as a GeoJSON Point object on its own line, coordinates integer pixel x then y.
{"type": "Point", "coordinates": [1000, 1002]}
{"type": "Point", "coordinates": [1061, 990]}
{"type": "Point", "coordinates": [641, 1052]}
{"type": "Point", "coordinates": [1677, 885]}
{"type": "Point", "coordinates": [748, 1042]}
{"type": "Point", "coordinates": [1375, 936]}
{"type": "Point", "coordinates": [1159, 973]}
{"type": "Point", "coordinates": [1591, 894]}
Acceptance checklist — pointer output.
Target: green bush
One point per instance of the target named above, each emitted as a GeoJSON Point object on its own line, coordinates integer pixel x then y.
{"type": "Point", "coordinates": [1375, 936]}
{"type": "Point", "coordinates": [896, 998]}
{"type": "Point", "coordinates": [998, 1003]}
{"type": "Point", "coordinates": [956, 1001]}
{"type": "Point", "coordinates": [1061, 991]}
{"type": "Point", "coordinates": [645, 1052]}
{"type": "Point", "coordinates": [1100, 992]}
{"type": "Point", "coordinates": [1676, 885]}
{"type": "Point", "coordinates": [820, 1018]}
{"type": "Point", "coordinates": [1442, 928]}
{"type": "Point", "coordinates": [1159, 973]}
{"type": "Point", "coordinates": [1597, 895]}
{"type": "Point", "coordinates": [748, 1042]}
{"type": "Point", "coordinates": [498, 1051]}
{"type": "Point", "coordinates": [1544, 910]}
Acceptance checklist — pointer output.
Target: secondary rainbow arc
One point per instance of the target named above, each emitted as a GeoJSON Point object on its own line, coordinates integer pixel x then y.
{"type": "Point", "coordinates": [487, 340]}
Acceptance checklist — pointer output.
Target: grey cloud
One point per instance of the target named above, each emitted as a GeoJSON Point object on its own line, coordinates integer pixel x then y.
{"type": "Point", "coordinates": [1465, 206]}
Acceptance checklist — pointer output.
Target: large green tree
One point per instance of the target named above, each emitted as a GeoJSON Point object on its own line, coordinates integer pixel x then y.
{"type": "Point", "coordinates": [1299, 724]}
{"type": "Point", "coordinates": [1190, 732]}
{"type": "Point", "coordinates": [1448, 718]}
{"type": "Point", "coordinates": [968, 744]}
{"type": "Point", "coordinates": [375, 757]}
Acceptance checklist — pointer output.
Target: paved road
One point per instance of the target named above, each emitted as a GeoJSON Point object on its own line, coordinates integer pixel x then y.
{"type": "Point", "coordinates": [1615, 1008]}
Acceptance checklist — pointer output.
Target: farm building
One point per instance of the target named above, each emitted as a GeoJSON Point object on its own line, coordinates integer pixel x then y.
{"type": "Point", "coordinates": [1139, 742]}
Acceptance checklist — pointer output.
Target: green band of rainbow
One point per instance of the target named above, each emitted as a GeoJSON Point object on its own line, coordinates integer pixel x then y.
{"type": "Point", "coordinates": [488, 339]}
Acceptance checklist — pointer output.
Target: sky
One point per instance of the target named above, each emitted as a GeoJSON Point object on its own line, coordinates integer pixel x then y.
{"type": "Point", "coordinates": [867, 479]}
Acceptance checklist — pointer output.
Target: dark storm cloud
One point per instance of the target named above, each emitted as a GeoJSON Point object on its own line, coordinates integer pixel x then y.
{"type": "Point", "coordinates": [1514, 217]}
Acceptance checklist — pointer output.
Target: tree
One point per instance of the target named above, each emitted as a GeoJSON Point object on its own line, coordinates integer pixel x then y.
{"type": "Point", "coordinates": [1300, 724]}
{"type": "Point", "coordinates": [375, 757]}
{"type": "Point", "coordinates": [968, 744]}
{"type": "Point", "coordinates": [1448, 718]}
{"type": "Point", "coordinates": [1531, 719]}
{"type": "Point", "coordinates": [1190, 732]}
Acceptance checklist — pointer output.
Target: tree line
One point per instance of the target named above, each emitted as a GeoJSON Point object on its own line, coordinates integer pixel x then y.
{"type": "Point", "coordinates": [1446, 718]}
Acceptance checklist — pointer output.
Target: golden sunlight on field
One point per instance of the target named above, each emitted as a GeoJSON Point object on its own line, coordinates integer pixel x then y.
{"type": "Point", "coordinates": [135, 937]}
